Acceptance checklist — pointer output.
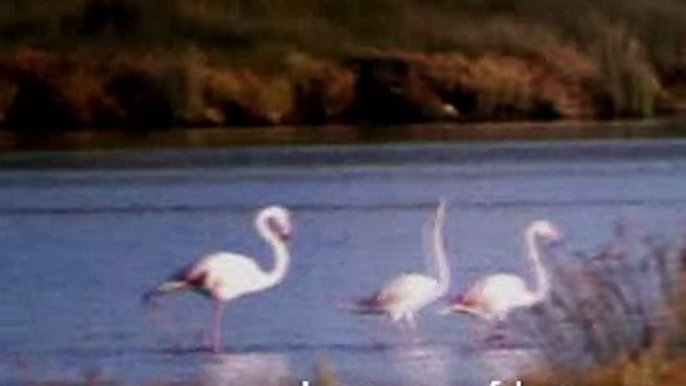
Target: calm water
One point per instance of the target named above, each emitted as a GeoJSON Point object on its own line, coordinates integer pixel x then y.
{"type": "Point", "coordinates": [84, 234]}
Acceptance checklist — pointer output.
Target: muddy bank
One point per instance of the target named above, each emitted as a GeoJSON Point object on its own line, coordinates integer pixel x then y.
{"type": "Point", "coordinates": [47, 92]}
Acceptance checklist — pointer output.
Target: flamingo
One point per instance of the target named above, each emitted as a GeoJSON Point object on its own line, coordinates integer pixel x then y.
{"type": "Point", "coordinates": [225, 276]}
{"type": "Point", "coordinates": [405, 295]}
{"type": "Point", "coordinates": [494, 297]}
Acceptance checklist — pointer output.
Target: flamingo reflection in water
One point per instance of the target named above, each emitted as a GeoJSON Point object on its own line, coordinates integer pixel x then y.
{"type": "Point", "coordinates": [424, 364]}
{"type": "Point", "coordinates": [225, 276]}
{"type": "Point", "coordinates": [246, 369]}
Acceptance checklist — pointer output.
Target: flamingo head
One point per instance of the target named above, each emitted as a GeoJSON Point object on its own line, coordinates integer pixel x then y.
{"type": "Point", "coordinates": [546, 231]}
{"type": "Point", "coordinates": [278, 220]}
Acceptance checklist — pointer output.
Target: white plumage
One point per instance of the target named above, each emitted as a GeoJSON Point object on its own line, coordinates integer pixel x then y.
{"type": "Point", "coordinates": [495, 296]}
{"type": "Point", "coordinates": [224, 276]}
{"type": "Point", "coordinates": [402, 297]}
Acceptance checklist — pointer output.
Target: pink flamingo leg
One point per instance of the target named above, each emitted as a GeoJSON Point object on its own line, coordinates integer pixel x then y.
{"type": "Point", "coordinates": [218, 308]}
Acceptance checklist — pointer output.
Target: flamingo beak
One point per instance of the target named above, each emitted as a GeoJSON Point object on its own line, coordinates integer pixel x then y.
{"type": "Point", "coordinates": [286, 234]}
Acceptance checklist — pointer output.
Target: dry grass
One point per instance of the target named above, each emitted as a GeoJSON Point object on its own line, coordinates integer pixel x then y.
{"type": "Point", "coordinates": [258, 62]}
{"type": "Point", "coordinates": [631, 338]}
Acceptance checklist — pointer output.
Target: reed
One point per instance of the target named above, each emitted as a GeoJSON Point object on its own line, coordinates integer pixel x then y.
{"type": "Point", "coordinates": [626, 333]}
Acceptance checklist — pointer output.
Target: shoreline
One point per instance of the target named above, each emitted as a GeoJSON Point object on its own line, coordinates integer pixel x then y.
{"type": "Point", "coordinates": [275, 136]}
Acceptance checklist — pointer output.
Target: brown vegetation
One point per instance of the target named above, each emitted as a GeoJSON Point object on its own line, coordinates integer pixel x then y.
{"type": "Point", "coordinates": [46, 91]}
{"type": "Point", "coordinates": [657, 356]}
{"type": "Point", "coordinates": [159, 64]}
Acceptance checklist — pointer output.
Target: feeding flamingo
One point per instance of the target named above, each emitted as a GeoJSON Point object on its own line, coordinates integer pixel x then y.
{"type": "Point", "coordinates": [494, 297]}
{"type": "Point", "coordinates": [225, 276]}
{"type": "Point", "coordinates": [402, 297]}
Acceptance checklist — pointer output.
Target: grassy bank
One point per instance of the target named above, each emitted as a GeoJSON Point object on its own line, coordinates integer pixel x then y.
{"type": "Point", "coordinates": [167, 63]}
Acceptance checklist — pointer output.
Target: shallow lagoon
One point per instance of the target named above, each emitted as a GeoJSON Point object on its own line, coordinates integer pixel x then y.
{"type": "Point", "coordinates": [84, 234]}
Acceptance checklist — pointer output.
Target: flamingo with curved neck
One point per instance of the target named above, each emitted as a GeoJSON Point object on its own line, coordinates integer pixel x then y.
{"type": "Point", "coordinates": [495, 296]}
{"type": "Point", "coordinates": [225, 276]}
{"type": "Point", "coordinates": [402, 297]}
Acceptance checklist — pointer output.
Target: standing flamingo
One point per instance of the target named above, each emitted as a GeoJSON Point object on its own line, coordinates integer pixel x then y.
{"type": "Point", "coordinates": [402, 297]}
{"type": "Point", "coordinates": [225, 276]}
{"type": "Point", "coordinates": [494, 297]}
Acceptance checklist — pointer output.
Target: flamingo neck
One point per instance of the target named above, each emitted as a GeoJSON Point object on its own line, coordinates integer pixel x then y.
{"type": "Point", "coordinates": [280, 251]}
{"type": "Point", "coordinates": [443, 276]}
{"type": "Point", "coordinates": [542, 282]}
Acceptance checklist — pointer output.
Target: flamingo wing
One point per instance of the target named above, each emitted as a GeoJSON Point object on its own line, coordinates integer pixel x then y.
{"type": "Point", "coordinates": [498, 294]}
{"type": "Point", "coordinates": [408, 293]}
{"type": "Point", "coordinates": [224, 275]}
